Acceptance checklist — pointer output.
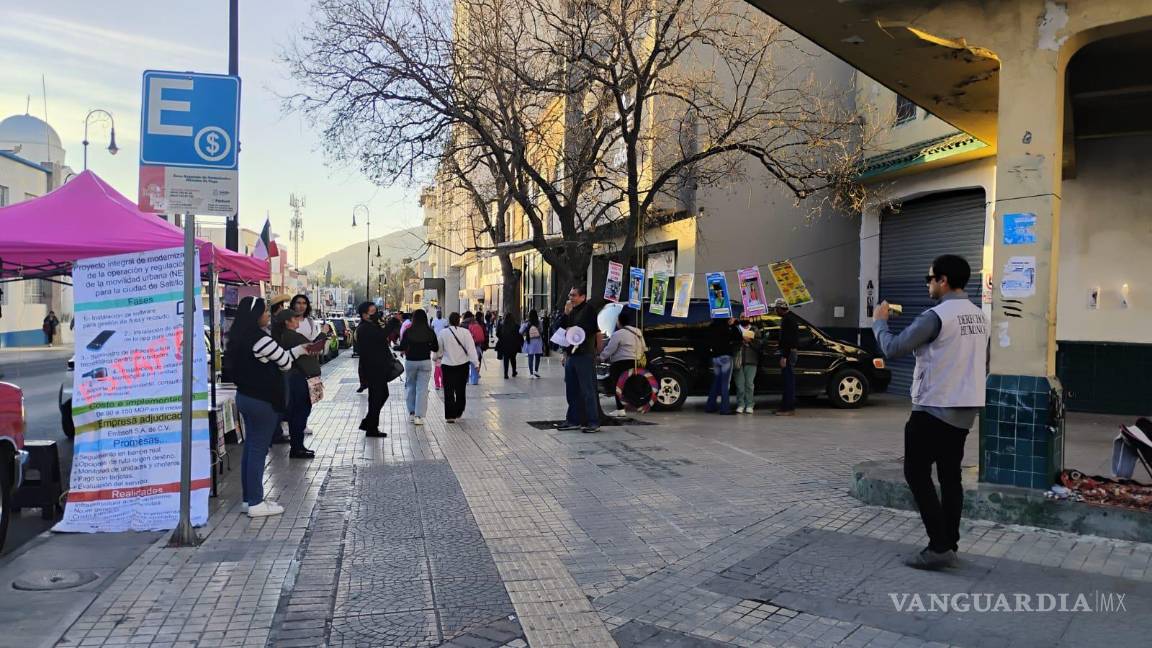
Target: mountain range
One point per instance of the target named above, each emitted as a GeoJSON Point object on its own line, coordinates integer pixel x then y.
{"type": "Point", "coordinates": [349, 262]}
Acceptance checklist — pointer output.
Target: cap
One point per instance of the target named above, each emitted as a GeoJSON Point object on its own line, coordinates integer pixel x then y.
{"type": "Point", "coordinates": [286, 314]}
{"type": "Point", "coordinates": [780, 303]}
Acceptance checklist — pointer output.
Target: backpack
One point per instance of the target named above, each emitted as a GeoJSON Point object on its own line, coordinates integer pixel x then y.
{"type": "Point", "coordinates": [479, 336]}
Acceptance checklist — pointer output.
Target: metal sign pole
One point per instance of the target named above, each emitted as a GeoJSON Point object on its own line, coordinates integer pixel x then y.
{"type": "Point", "coordinates": [185, 535]}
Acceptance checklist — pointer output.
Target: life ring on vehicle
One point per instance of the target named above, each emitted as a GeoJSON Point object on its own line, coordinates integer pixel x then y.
{"type": "Point", "coordinates": [646, 402]}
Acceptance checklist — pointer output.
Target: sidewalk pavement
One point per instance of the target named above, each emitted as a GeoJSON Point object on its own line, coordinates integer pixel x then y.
{"type": "Point", "coordinates": [697, 530]}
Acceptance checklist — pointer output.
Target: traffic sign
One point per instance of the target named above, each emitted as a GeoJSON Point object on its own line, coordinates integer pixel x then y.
{"type": "Point", "coordinates": [189, 120]}
{"type": "Point", "coordinates": [189, 124]}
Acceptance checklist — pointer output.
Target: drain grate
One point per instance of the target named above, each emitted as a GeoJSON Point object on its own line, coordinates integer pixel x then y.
{"type": "Point", "coordinates": [44, 580]}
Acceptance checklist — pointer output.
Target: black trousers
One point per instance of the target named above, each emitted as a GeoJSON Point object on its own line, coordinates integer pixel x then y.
{"type": "Point", "coordinates": [455, 388]}
{"type": "Point", "coordinates": [929, 441]}
{"type": "Point", "coordinates": [377, 396]}
{"type": "Point", "coordinates": [509, 361]}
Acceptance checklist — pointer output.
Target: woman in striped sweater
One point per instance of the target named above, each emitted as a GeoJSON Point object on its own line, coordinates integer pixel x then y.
{"type": "Point", "coordinates": [257, 363]}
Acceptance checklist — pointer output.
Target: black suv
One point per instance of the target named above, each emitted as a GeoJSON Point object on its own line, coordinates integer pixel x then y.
{"type": "Point", "coordinates": [678, 356]}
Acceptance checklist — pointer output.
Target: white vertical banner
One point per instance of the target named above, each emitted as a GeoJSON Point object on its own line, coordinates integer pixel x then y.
{"type": "Point", "coordinates": [127, 392]}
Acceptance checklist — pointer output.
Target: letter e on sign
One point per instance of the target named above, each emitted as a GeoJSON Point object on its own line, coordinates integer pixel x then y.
{"type": "Point", "coordinates": [158, 105]}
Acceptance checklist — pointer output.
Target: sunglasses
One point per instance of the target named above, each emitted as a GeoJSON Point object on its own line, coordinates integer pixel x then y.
{"type": "Point", "coordinates": [930, 278]}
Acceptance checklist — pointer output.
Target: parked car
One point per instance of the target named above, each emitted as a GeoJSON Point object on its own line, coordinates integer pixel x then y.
{"type": "Point", "coordinates": [12, 454]}
{"type": "Point", "coordinates": [679, 359]}
{"type": "Point", "coordinates": [343, 332]}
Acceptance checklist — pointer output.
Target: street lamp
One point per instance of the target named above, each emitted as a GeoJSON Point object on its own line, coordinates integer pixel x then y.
{"type": "Point", "coordinates": [112, 148]}
{"type": "Point", "coordinates": [368, 239]}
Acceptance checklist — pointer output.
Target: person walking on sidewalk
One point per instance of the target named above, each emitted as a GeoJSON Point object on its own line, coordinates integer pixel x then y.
{"type": "Point", "coordinates": [457, 353]}
{"type": "Point", "coordinates": [746, 363]}
{"type": "Point", "coordinates": [722, 336]}
{"type": "Point", "coordinates": [257, 362]}
{"type": "Point", "coordinates": [950, 343]}
{"type": "Point", "coordinates": [624, 351]}
{"type": "Point", "coordinates": [51, 323]}
{"type": "Point", "coordinates": [533, 336]}
{"type": "Point", "coordinates": [286, 332]}
{"type": "Point", "coordinates": [479, 334]}
{"type": "Point", "coordinates": [375, 356]}
{"type": "Point", "coordinates": [789, 342]}
{"type": "Point", "coordinates": [418, 344]}
{"type": "Point", "coordinates": [509, 343]}
{"type": "Point", "coordinates": [580, 363]}
{"type": "Point", "coordinates": [438, 324]}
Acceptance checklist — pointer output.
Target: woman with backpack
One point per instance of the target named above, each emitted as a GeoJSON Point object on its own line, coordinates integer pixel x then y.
{"type": "Point", "coordinates": [457, 353]}
{"type": "Point", "coordinates": [509, 343]}
{"type": "Point", "coordinates": [533, 335]}
{"type": "Point", "coordinates": [624, 351]}
{"type": "Point", "coordinates": [479, 335]}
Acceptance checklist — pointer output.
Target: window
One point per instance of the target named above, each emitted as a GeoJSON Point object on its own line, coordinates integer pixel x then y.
{"type": "Point", "coordinates": [905, 110]}
{"type": "Point", "coordinates": [35, 291]}
{"type": "Point", "coordinates": [3, 196]}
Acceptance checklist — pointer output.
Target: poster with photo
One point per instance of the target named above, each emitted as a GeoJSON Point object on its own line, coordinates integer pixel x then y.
{"type": "Point", "coordinates": [752, 292]}
{"type": "Point", "coordinates": [659, 293]}
{"type": "Point", "coordinates": [614, 285]}
{"type": "Point", "coordinates": [635, 287]}
{"type": "Point", "coordinates": [683, 295]}
{"type": "Point", "coordinates": [718, 303]}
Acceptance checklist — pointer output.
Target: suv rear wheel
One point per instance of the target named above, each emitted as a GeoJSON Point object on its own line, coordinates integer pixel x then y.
{"type": "Point", "coordinates": [848, 389]}
{"type": "Point", "coordinates": [671, 388]}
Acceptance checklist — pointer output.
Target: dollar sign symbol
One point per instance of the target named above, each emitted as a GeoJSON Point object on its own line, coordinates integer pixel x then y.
{"type": "Point", "coordinates": [213, 146]}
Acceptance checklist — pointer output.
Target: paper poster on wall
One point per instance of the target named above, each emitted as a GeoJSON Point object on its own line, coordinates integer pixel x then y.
{"type": "Point", "coordinates": [1019, 280]}
{"type": "Point", "coordinates": [659, 293]}
{"type": "Point", "coordinates": [1019, 229]}
{"type": "Point", "coordinates": [791, 286]}
{"type": "Point", "coordinates": [718, 303]}
{"type": "Point", "coordinates": [635, 287]}
{"type": "Point", "coordinates": [752, 292]}
{"type": "Point", "coordinates": [614, 285]}
{"type": "Point", "coordinates": [683, 298]}
{"type": "Point", "coordinates": [127, 396]}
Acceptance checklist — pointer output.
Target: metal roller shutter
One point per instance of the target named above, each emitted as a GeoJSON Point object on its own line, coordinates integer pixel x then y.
{"type": "Point", "coordinates": [922, 229]}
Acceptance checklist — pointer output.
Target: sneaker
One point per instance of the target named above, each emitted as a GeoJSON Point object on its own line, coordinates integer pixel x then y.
{"type": "Point", "coordinates": [376, 434]}
{"type": "Point", "coordinates": [567, 427]}
{"type": "Point", "coordinates": [417, 420]}
{"type": "Point", "coordinates": [931, 560]}
{"type": "Point", "coordinates": [618, 413]}
{"type": "Point", "coordinates": [265, 509]}
{"type": "Point", "coordinates": [740, 410]}
{"type": "Point", "coordinates": [303, 453]}
{"type": "Point", "coordinates": [590, 429]}
{"type": "Point", "coordinates": [749, 409]}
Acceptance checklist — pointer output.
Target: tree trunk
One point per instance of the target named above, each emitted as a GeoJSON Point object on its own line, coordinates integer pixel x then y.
{"type": "Point", "coordinates": [509, 288]}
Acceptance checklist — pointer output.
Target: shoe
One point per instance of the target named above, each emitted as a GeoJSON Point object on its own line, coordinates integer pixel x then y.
{"type": "Point", "coordinates": [618, 413]}
{"type": "Point", "coordinates": [304, 453]}
{"type": "Point", "coordinates": [931, 560]}
{"type": "Point", "coordinates": [740, 410]}
{"type": "Point", "coordinates": [785, 413]}
{"type": "Point", "coordinates": [364, 426]}
{"type": "Point", "coordinates": [505, 377]}
{"type": "Point", "coordinates": [361, 389]}
{"type": "Point", "coordinates": [728, 413]}
{"type": "Point", "coordinates": [417, 420]}
{"type": "Point", "coordinates": [749, 409]}
{"type": "Point", "coordinates": [281, 440]}
{"type": "Point", "coordinates": [265, 509]}
{"type": "Point", "coordinates": [449, 420]}
{"type": "Point", "coordinates": [376, 434]}
{"type": "Point", "coordinates": [567, 427]}
{"type": "Point", "coordinates": [514, 374]}
{"type": "Point", "coordinates": [590, 429]}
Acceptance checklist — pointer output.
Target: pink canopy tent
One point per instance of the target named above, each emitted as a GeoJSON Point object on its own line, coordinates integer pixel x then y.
{"type": "Point", "coordinates": [87, 218]}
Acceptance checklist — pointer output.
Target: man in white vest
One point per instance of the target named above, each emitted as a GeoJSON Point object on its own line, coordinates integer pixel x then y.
{"type": "Point", "coordinates": [950, 342]}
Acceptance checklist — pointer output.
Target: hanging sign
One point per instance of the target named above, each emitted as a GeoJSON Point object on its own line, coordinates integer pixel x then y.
{"type": "Point", "coordinates": [718, 303]}
{"type": "Point", "coordinates": [659, 293]}
{"type": "Point", "coordinates": [636, 287]}
{"type": "Point", "coordinates": [791, 286]}
{"type": "Point", "coordinates": [127, 396]}
{"type": "Point", "coordinates": [614, 285]}
{"type": "Point", "coordinates": [752, 292]}
{"type": "Point", "coordinates": [683, 295]}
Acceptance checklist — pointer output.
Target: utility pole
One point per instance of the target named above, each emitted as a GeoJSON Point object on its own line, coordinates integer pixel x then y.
{"type": "Point", "coordinates": [232, 224]}
{"type": "Point", "coordinates": [298, 203]}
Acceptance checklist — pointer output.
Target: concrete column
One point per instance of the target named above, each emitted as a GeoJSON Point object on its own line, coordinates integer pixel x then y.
{"type": "Point", "coordinates": [1021, 441]}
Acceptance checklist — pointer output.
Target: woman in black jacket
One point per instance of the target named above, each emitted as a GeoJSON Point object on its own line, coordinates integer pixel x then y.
{"type": "Point", "coordinates": [375, 356]}
{"type": "Point", "coordinates": [722, 336]}
{"type": "Point", "coordinates": [257, 362]}
{"type": "Point", "coordinates": [418, 344]}
{"type": "Point", "coordinates": [509, 343]}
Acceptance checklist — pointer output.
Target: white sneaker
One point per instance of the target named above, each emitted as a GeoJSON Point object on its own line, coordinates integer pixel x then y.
{"type": "Point", "coordinates": [749, 409]}
{"type": "Point", "coordinates": [417, 420]}
{"type": "Point", "coordinates": [265, 509]}
{"type": "Point", "coordinates": [618, 413]}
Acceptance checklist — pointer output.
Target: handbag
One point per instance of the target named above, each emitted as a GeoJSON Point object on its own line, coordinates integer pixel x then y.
{"type": "Point", "coordinates": [394, 369]}
{"type": "Point", "coordinates": [316, 389]}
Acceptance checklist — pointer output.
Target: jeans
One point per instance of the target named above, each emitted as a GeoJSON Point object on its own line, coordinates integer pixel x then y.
{"type": "Point", "coordinates": [788, 378]}
{"type": "Point", "coordinates": [510, 362]}
{"type": "Point", "coordinates": [377, 396]}
{"type": "Point", "coordinates": [928, 441]}
{"type": "Point", "coordinates": [746, 386]}
{"type": "Point", "coordinates": [721, 383]}
{"type": "Point", "coordinates": [474, 369]}
{"type": "Point", "coordinates": [260, 422]}
{"type": "Point", "coordinates": [299, 408]}
{"type": "Point", "coordinates": [580, 389]}
{"type": "Point", "coordinates": [455, 390]}
{"type": "Point", "coordinates": [533, 363]}
{"type": "Point", "coordinates": [419, 372]}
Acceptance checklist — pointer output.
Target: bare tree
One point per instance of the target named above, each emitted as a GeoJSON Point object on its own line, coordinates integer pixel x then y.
{"type": "Point", "coordinates": [589, 115]}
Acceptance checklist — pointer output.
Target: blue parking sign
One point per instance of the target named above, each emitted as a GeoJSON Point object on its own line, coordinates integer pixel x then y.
{"type": "Point", "coordinates": [189, 120]}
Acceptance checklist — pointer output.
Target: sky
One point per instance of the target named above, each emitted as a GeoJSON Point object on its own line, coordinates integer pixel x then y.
{"type": "Point", "coordinates": [92, 55]}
